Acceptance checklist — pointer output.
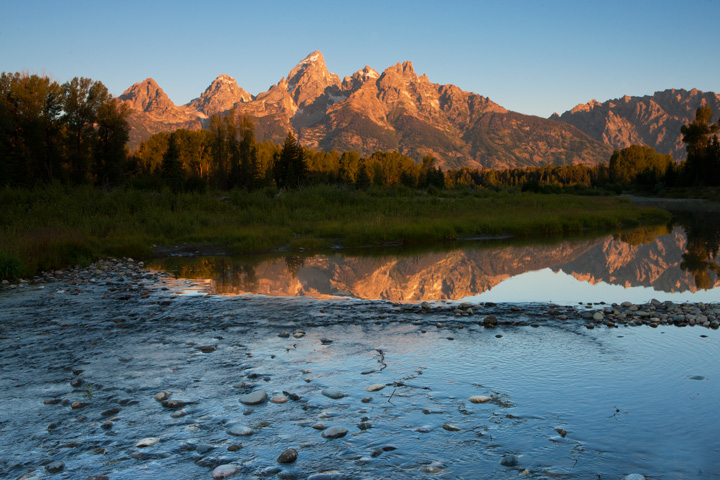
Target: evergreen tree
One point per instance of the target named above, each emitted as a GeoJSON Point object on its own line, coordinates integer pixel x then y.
{"type": "Point", "coordinates": [172, 173]}
{"type": "Point", "coordinates": [249, 165]}
{"type": "Point", "coordinates": [700, 167]}
{"type": "Point", "coordinates": [363, 180]}
{"type": "Point", "coordinates": [290, 169]}
{"type": "Point", "coordinates": [82, 98]}
{"type": "Point", "coordinates": [109, 149]}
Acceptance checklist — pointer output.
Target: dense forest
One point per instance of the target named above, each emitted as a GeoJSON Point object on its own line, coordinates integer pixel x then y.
{"type": "Point", "coordinates": [76, 133]}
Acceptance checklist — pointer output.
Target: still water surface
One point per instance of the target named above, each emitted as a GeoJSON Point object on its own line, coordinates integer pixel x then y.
{"type": "Point", "coordinates": [677, 263]}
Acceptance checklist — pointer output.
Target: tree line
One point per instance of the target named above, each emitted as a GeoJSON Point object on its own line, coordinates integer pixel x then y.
{"type": "Point", "coordinates": [77, 133]}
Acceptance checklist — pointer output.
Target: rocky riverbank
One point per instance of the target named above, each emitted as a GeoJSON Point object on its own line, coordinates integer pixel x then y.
{"type": "Point", "coordinates": [110, 372]}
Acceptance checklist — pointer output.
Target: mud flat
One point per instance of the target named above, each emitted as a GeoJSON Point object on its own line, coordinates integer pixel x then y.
{"type": "Point", "coordinates": [115, 372]}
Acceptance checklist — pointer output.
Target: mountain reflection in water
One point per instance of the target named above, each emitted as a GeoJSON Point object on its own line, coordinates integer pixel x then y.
{"type": "Point", "coordinates": [659, 261]}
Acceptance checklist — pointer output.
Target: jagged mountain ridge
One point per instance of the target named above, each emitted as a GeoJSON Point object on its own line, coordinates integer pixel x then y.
{"type": "Point", "coordinates": [369, 111]}
{"type": "Point", "coordinates": [652, 120]}
{"type": "Point", "coordinates": [152, 111]}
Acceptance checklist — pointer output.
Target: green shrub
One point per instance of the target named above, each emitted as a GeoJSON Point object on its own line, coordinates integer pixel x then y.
{"type": "Point", "coordinates": [11, 266]}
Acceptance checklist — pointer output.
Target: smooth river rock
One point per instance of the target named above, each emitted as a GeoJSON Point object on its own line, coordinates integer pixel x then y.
{"type": "Point", "coordinates": [288, 456]}
{"type": "Point", "coordinates": [240, 431]}
{"type": "Point", "coordinates": [278, 399]}
{"type": "Point", "coordinates": [254, 398]}
{"type": "Point", "coordinates": [147, 442]}
{"type": "Point", "coordinates": [375, 387]}
{"type": "Point", "coordinates": [335, 432]}
{"type": "Point", "coordinates": [224, 471]}
{"type": "Point", "coordinates": [479, 399]}
{"type": "Point", "coordinates": [334, 393]}
{"type": "Point", "coordinates": [55, 467]}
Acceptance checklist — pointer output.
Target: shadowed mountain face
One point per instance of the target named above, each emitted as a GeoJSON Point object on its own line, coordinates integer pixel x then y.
{"type": "Point", "coordinates": [371, 111]}
{"type": "Point", "coordinates": [652, 259]}
{"type": "Point", "coordinates": [649, 120]}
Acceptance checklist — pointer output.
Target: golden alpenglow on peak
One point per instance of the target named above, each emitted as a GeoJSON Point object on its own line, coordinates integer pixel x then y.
{"type": "Point", "coordinates": [222, 94]}
{"type": "Point", "coordinates": [652, 120]}
{"type": "Point", "coordinates": [392, 110]}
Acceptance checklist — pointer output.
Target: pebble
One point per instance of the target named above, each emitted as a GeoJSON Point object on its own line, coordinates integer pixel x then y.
{"type": "Point", "coordinates": [432, 468]}
{"type": "Point", "coordinates": [299, 333]}
{"type": "Point", "coordinates": [327, 476]}
{"type": "Point", "coordinates": [490, 321]}
{"type": "Point", "coordinates": [147, 442]}
{"type": "Point", "coordinates": [255, 398]}
{"type": "Point", "coordinates": [77, 405]}
{"type": "Point", "coordinates": [55, 467]}
{"type": "Point", "coordinates": [224, 471]}
{"type": "Point", "coordinates": [174, 403]}
{"type": "Point", "coordinates": [279, 399]}
{"type": "Point", "coordinates": [240, 431]}
{"type": "Point", "coordinates": [335, 432]}
{"type": "Point", "coordinates": [634, 476]}
{"type": "Point", "coordinates": [234, 447]}
{"type": "Point", "coordinates": [334, 393]}
{"type": "Point", "coordinates": [375, 387]}
{"type": "Point", "coordinates": [509, 460]}
{"type": "Point", "coordinates": [479, 399]}
{"type": "Point", "coordinates": [451, 428]}
{"type": "Point", "coordinates": [288, 456]}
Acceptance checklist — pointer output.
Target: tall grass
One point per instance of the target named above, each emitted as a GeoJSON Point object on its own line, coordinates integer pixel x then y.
{"type": "Point", "coordinates": [57, 226]}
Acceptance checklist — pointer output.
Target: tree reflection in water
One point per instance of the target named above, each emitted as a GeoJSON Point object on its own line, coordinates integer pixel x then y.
{"type": "Point", "coordinates": [703, 242]}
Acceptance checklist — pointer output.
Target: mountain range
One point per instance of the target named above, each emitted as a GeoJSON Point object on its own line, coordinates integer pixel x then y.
{"type": "Point", "coordinates": [399, 110]}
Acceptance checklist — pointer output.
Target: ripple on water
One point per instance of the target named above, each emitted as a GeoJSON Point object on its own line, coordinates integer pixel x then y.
{"type": "Point", "coordinates": [629, 399]}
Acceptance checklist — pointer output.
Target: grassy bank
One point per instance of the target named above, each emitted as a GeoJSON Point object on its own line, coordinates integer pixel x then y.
{"type": "Point", "coordinates": [58, 226]}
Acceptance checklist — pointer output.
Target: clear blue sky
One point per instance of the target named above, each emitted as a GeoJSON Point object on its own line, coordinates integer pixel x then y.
{"type": "Point", "coordinates": [534, 57]}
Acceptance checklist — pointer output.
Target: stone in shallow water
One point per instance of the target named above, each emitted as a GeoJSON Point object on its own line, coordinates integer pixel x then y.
{"type": "Point", "coordinates": [288, 456]}
{"type": "Point", "coordinates": [147, 442]}
{"type": "Point", "coordinates": [327, 476]}
{"type": "Point", "coordinates": [279, 399]}
{"type": "Point", "coordinates": [432, 468]}
{"type": "Point", "coordinates": [634, 476]}
{"type": "Point", "coordinates": [375, 387]}
{"type": "Point", "coordinates": [451, 428]}
{"type": "Point", "coordinates": [335, 432]}
{"type": "Point", "coordinates": [224, 471]}
{"type": "Point", "coordinates": [334, 393]}
{"type": "Point", "coordinates": [174, 403]}
{"type": "Point", "coordinates": [479, 399]}
{"type": "Point", "coordinates": [55, 467]}
{"type": "Point", "coordinates": [509, 460]}
{"type": "Point", "coordinates": [254, 398]}
{"type": "Point", "coordinates": [240, 431]}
